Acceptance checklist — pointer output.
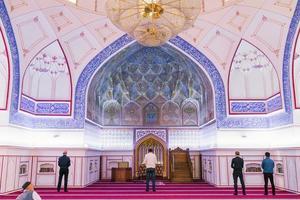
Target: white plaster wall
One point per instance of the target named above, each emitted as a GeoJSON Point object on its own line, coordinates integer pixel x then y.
{"type": "Point", "coordinates": [195, 158]}
{"type": "Point", "coordinates": [296, 114]}
{"type": "Point", "coordinates": [110, 159]}
{"type": "Point", "coordinates": [272, 138]}
{"type": "Point", "coordinates": [221, 172]}
{"type": "Point", "coordinates": [108, 139]}
{"type": "Point", "coordinates": [15, 136]}
{"type": "Point", "coordinates": [217, 147]}
{"type": "Point", "coordinates": [192, 138]}
{"type": "Point", "coordinates": [4, 116]}
{"type": "Point", "coordinates": [79, 175]}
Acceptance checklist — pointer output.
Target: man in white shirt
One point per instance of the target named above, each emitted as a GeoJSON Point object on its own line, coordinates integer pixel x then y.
{"type": "Point", "coordinates": [28, 192]}
{"type": "Point", "coordinates": [150, 161]}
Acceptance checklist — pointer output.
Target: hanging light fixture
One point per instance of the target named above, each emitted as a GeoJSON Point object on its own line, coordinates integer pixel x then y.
{"type": "Point", "coordinates": [153, 22]}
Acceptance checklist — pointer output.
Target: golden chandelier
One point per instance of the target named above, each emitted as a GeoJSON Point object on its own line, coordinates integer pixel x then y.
{"type": "Point", "coordinates": [153, 22]}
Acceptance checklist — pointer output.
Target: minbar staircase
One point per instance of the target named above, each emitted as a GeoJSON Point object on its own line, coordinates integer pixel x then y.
{"type": "Point", "coordinates": [180, 166]}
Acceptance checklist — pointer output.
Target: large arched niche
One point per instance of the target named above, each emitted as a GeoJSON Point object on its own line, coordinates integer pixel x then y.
{"type": "Point", "coordinates": [150, 86]}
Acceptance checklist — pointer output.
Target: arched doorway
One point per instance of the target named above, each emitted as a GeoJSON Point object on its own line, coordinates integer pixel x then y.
{"type": "Point", "coordinates": [159, 148]}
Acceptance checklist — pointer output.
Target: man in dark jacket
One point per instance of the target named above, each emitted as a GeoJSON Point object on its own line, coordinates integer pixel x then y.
{"type": "Point", "coordinates": [268, 167]}
{"type": "Point", "coordinates": [64, 164]}
{"type": "Point", "coordinates": [237, 164]}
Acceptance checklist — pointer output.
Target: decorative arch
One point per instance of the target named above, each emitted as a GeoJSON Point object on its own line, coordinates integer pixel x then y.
{"type": "Point", "coordinates": [253, 83]}
{"type": "Point", "coordinates": [132, 114]}
{"type": "Point", "coordinates": [49, 68]}
{"type": "Point", "coordinates": [4, 72]}
{"type": "Point", "coordinates": [151, 138]}
{"type": "Point", "coordinates": [111, 113]}
{"type": "Point", "coordinates": [189, 113]}
{"type": "Point", "coordinates": [170, 114]}
{"type": "Point", "coordinates": [151, 114]}
{"type": "Point", "coordinates": [296, 72]}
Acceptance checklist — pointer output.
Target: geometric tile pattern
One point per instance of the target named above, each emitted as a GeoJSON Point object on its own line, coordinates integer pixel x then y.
{"type": "Point", "coordinates": [44, 108]}
{"type": "Point", "coordinates": [256, 106]}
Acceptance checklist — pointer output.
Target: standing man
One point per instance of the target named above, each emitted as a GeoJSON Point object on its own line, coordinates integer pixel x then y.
{"type": "Point", "coordinates": [28, 192]}
{"type": "Point", "coordinates": [64, 164]}
{"type": "Point", "coordinates": [268, 167]}
{"type": "Point", "coordinates": [237, 164]}
{"type": "Point", "coordinates": [150, 161]}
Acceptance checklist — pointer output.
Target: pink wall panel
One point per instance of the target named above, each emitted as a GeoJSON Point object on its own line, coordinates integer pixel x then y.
{"type": "Point", "coordinates": [296, 72]}
{"type": "Point", "coordinates": [4, 72]}
{"type": "Point", "coordinates": [79, 175]}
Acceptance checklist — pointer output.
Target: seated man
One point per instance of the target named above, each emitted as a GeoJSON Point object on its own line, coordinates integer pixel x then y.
{"type": "Point", "coordinates": [28, 192]}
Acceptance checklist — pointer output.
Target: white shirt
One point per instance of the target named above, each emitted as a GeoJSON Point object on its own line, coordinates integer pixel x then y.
{"type": "Point", "coordinates": [150, 160]}
{"type": "Point", "coordinates": [35, 196]}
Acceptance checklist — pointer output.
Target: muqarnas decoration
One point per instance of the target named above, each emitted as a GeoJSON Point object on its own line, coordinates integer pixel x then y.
{"type": "Point", "coordinates": [156, 86]}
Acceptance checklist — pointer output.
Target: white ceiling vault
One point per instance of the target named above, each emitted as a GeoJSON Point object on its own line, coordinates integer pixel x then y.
{"type": "Point", "coordinates": [81, 30]}
{"type": "Point", "coordinates": [224, 32]}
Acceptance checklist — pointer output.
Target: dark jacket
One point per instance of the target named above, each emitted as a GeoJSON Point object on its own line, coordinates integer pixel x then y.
{"type": "Point", "coordinates": [64, 162]}
{"type": "Point", "coordinates": [237, 164]}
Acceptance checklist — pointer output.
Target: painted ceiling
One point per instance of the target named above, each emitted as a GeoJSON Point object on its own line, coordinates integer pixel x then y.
{"type": "Point", "coordinates": [217, 32]}
{"type": "Point", "coordinates": [244, 39]}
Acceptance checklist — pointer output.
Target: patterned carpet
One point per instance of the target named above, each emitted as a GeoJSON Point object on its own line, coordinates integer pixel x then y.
{"type": "Point", "coordinates": [105, 190]}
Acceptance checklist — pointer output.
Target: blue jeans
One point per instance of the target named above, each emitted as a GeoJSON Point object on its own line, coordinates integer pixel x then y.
{"type": "Point", "coordinates": [150, 174]}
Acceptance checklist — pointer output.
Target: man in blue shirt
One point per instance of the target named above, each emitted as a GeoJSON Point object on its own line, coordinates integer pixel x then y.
{"type": "Point", "coordinates": [268, 167]}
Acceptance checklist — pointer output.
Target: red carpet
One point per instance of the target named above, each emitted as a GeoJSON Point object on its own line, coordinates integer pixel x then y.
{"type": "Point", "coordinates": [104, 190]}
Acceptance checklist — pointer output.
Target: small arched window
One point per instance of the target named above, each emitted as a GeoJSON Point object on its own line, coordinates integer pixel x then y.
{"type": "Point", "coordinates": [96, 166]}
{"type": "Point", "coordinates": [253, 167]}
{"type": "Point", "coordinates": [151, 114]}
{"type": "Point", "coordinates": [209, 166]}
{"type": "Point", "coordinates": [91, 166]}
{"type": "Point", "coordinates": [279, 168]}
{"type": "Point", "coordinates": [46, 168]}
{"type": "Point", "coordinates": [23, 169]}
{"type": "Point", "coordinates": [189, 114]}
